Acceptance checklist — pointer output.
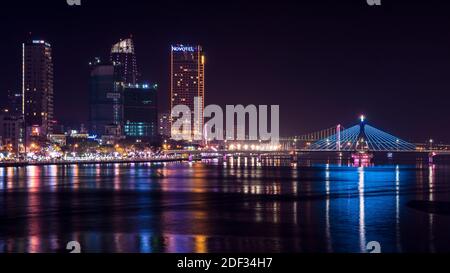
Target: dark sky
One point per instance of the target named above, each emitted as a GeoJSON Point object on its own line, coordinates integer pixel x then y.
{"type": "Point", "coordinates": [323, 61]}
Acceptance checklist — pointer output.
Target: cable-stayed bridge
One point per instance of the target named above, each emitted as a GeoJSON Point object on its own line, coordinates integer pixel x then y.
{"type": "Point", "coordinates": [318, 135]}
{"type": "Point", "coordinates": [363, 137]}
{"type": "Point", "coordinates": [368, 139]}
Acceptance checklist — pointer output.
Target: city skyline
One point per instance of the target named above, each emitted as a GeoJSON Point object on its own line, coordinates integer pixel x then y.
{"type": "Point", "coordinates": [325, 130]}
{"type": "Point", "coordinates": [319, 93]}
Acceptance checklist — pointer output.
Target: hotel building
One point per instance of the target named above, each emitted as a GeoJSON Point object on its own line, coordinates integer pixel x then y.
{"type": "Point", "coordinates": [187, 83]}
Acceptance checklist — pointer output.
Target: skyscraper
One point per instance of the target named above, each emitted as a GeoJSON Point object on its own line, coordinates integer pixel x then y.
{"type": "Point", "coordinates": [187, 72]}
{"type": "Point", "coordinates": [105, 97]}
{"type": "Point", "coordinates": [141, 112]}
{"type": "Point", "coordinates": [37, 88]}
{"type": "Point", "coordinates": [124, 57]}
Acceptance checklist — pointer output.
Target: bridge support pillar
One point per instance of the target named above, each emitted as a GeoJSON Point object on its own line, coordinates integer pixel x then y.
{"type": "Point", "coordinates": [431, 158]}
{"type": "Point", "coordinates": [294, 157]}
{"type": "Point", "coordinates": [338, 138]}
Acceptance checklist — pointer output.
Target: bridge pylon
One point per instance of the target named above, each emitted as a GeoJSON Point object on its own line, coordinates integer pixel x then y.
{"type": "Point", "coordinates": [362, 137]}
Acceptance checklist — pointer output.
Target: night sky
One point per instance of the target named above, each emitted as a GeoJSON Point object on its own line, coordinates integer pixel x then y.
{"type": "Point", "coordinates": [324, 61]}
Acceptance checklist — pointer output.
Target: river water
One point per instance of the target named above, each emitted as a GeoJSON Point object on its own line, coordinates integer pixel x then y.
{"type": "Point", "coordinates": [214, 206]}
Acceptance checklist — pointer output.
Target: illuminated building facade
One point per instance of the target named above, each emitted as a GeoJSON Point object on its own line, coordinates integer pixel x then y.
{"type": "Point", "coordinates": [11, 131]}
{"type": "Point", "coordinates": [164, 124]}
{"type": "Point", "coordinates": [105, 97]}
{"type": "Point", "coordinates": [37, 88]}
{"type": "Point", "coordinates": [187, 72]}
{"type": "Point", "coordinates": [141, 112]}
{"type": "Point", "coordinates": [123, 56]}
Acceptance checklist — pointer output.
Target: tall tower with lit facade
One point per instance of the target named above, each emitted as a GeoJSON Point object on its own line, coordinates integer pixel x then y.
{"type": "Point", "coordinates": [123, 57]}
{"type": "Point", "coordinates": [37, 88]}
{"type": "Point", "coordinates": [187, 82]}
{"type": "Point", "coordinates": [105, 97]}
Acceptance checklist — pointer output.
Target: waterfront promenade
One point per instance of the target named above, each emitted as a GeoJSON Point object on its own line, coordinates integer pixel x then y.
{"type": "Point", "coordinates": [90, 161]}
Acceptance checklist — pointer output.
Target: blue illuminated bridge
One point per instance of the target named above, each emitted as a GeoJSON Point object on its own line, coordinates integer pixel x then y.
{"type": "Point", "coordinates": [362, 137]}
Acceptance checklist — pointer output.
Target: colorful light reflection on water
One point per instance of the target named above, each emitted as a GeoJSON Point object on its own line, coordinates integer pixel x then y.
{"type": "Point", "coordinates": [241, 205]}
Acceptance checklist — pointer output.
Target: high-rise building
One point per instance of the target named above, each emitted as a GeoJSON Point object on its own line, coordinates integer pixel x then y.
{"type": "Point", "coordinates": [141, 112]}
{"type": "Point", "coordinates": [37, 88]}
{"type": "Point", "coordinates": [164, 125]}
{"type": "Point", "coordinates": [124, 57]}
{"type": "Point", "coordinates": [187, 73]}
{"type": "Point", "coordinates": [15, 103]}
{"type": "Point", "coordinates": [105, 97]}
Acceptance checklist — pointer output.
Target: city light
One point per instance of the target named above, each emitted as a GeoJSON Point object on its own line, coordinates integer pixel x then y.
{"type": "Point", "coordinates": [89, 154]}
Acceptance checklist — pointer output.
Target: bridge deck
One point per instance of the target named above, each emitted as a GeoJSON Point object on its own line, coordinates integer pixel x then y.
{"type": "Point", "coordinates": [286, 152]}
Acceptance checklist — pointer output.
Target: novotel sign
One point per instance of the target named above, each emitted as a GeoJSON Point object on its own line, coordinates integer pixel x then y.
{"type": "Point", "coordinates": [183, 48]}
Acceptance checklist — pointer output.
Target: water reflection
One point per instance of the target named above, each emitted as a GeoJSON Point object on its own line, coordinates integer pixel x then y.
{"type": "Point", "coordinates": [397, 209]}
{"type": "Point", "coordinates": [327, 209]}
{"type": "Point", "coordinates": [431, 177]}
{"type": "Point", "coordinates": [233, 205]}
{"type": "Point", "coordinates": [362, 223]}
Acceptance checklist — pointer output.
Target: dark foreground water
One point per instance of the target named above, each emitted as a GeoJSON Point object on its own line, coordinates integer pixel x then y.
{"type": "Point", "coordinates": [224, 207]}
